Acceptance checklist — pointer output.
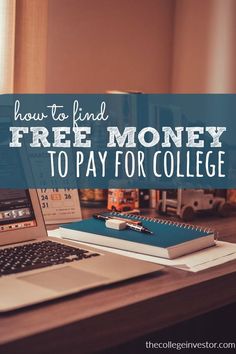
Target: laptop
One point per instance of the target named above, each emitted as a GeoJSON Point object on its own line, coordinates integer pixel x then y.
{"type": "Point", "coordinates": [35, 268]}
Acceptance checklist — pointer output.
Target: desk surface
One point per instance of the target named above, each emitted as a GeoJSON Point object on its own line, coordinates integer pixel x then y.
{"type": "Point", "coordinates": [98, 319]}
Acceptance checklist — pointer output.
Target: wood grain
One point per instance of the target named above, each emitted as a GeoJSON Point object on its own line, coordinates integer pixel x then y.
{"type": "Point", "coordinates": [121, 312]}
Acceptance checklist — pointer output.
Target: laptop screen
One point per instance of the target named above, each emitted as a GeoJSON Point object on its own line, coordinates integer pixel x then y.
{"type": "Point", "coordinates": [16, 211]}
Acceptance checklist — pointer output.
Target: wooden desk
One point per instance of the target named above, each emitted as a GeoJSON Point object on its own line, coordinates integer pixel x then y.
{"type": "Point", "coordinates": [107, 317]}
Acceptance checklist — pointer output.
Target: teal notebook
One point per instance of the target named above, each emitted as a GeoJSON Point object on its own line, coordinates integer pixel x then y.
{"type": "Point", "coordinates": [169, 239]}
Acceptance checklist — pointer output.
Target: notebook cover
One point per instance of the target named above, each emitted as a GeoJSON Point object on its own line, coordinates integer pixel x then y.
{"type": "Point", "coordinates": [165, 235]}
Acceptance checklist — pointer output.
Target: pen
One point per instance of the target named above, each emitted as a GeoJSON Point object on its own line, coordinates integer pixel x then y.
{"type": "Point", "coordinates": [104, 218]}
{"type": "Point", "coordinates": [129, 225]}
{"type": "Point", "coordinates": [139, 228]}
{"type": "Point", "coordinates": [135, 222]}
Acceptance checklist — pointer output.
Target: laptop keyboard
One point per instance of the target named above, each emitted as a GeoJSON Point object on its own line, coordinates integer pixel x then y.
{"type": "Point", "coordinates": [39, 255]}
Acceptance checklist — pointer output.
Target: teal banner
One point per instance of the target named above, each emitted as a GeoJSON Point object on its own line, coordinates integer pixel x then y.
{"type": "Point", "coordinates": [118, 141]}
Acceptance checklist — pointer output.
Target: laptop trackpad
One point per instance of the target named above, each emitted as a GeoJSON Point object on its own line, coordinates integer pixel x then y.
{"type": "Point", "coordinates": [64, 279]}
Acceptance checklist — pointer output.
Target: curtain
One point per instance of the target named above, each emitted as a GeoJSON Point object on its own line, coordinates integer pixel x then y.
{"type": "Point", "coordinates": [7, 34]}
{"type": "Point", "coordinates": [204, 46]}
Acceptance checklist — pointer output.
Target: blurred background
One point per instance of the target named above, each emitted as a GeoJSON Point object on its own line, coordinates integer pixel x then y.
{"type": "Point", "coordinates": [151, 46]}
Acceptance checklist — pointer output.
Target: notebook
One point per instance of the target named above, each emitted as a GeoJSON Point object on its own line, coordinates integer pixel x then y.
{"type": "Point", "coordinates": [169, 239]}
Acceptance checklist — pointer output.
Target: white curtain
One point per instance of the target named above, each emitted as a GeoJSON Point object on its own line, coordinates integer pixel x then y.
{"type": "Point", "coordinates": [7, 33]}
{"type": "Point", "coordinates": [204, 46]}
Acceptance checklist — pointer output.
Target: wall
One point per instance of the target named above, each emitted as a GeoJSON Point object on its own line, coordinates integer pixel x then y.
{"type": "Point", "coordinates": [95, 46]}
{"type": "Point", "coordinates": [30, 46]}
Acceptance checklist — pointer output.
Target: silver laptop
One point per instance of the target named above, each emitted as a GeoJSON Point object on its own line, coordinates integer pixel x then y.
{"type": "Point", "coordinates": [36, 268]}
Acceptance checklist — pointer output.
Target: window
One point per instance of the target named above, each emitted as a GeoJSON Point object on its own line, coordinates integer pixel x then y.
{"type": "Point", "coordinates": [7, 29]}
